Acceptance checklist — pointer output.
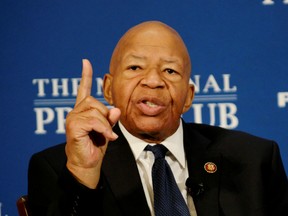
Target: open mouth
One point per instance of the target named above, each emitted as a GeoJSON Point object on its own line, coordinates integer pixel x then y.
{"type": "Point", "coordinates": [151, 106]}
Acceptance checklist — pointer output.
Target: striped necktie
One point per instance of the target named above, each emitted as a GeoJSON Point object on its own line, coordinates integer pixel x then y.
{"type": "Point", "coordinates": [168, 200]}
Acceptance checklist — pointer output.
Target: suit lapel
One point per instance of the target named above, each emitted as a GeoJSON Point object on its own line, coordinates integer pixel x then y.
{"type": "Point", "coordinates": [121, 171]}
{"type": "Point", "coordinates": [198, 154]}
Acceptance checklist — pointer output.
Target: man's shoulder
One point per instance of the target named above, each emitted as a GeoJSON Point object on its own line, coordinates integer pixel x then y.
{"type": "Point", "coordinates": [53, 150]}
{"type": "Point", "coordinates": [54, 155]}
{"type": "Point", "coordinates": [235, 146]}
{"type": "Point", "coordinates": [219, 134]}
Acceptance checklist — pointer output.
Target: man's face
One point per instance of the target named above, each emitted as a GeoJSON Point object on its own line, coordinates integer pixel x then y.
{"type": "Point", "coordinates": [150, 84]}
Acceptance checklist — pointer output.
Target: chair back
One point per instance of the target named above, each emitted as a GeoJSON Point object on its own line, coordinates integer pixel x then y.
{"type": "Point", "coordinates": [22, 206]}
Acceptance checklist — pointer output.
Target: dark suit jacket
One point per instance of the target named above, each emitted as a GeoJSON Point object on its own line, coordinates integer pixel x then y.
{"type": "Point", "coordinates": [250, 179]}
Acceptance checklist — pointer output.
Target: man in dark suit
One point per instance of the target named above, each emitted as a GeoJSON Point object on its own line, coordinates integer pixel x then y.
{"type": "Point", "coordinates": [104, 169]}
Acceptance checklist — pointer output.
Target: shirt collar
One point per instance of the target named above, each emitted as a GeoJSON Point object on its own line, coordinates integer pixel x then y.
{"type": "Point", "coordinates": [174, 144]}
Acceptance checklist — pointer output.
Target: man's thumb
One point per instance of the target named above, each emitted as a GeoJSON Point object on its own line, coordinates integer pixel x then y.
{"type": "Point", "coordinates": [113, 116]}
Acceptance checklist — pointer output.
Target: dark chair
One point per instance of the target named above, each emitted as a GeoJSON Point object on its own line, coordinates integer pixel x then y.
{"type": "Point", "coordinates": [22, 206]}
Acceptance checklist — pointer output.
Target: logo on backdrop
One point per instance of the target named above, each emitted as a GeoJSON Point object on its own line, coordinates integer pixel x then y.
{"type": "Point", "coordinates": [55, 99]}
{"type": "Point", "coordinates": [216, 97]}
{"type": "Point", "coordinates": [214, 102]}
{"type": "Point", "coordinates": [272, 2]}
{"type": "Point", "coordinates": [1, 210]}
{"type": "Point", "coordinates": [282, 99]}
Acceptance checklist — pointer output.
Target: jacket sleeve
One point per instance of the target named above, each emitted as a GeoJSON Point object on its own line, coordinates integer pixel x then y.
{"type": "Point", "coordinates": [53, 191]}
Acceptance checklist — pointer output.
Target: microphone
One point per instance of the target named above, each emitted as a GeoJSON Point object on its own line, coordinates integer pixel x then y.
{"type": "Point", "coordinates": [195, 188]}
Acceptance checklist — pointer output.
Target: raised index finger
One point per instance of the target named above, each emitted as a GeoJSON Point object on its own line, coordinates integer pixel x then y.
{"type": "Point", "coordinates": [85, 86]}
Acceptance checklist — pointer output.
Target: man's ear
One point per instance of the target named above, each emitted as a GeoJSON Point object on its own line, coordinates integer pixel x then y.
{"type": "Point", "coordinates": [107, 88]}
{"type": "Point", "coordinates": [189, 98]}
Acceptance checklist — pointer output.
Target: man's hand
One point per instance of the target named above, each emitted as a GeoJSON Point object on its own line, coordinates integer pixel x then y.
{"type": "Point", "coordinates": [88, 130]}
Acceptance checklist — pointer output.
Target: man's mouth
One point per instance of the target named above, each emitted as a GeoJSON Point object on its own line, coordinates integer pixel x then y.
{"type": "Point", "coordinates": [151, 107]}
{"type": "Point", "coordinates": [150, 104]}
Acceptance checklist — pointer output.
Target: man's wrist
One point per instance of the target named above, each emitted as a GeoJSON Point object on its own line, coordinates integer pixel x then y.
{"type": "Point", "coordinates": [88, 177]}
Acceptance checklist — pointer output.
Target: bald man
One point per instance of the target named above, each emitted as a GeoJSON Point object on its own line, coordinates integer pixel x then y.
{"type": "Point", "coordinates": [103, 168]}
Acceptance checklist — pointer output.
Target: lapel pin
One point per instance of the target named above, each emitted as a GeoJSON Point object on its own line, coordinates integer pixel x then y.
{"type": "Point", "coordinates": [210, 167]}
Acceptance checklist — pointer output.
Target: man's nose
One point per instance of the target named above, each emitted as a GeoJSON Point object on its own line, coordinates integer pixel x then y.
{"type": "Point", "coordinates": [153, 78]}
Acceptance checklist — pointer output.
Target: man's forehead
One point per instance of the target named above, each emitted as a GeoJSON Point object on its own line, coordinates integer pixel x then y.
{"type": "Point", "coordinates": [143, 46]}
{"type": "Point", "coordinates": [144, 57]}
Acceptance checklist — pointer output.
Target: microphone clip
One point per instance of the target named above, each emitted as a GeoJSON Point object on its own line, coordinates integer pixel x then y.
{"type": "Point", "coordinates": [194, 188]}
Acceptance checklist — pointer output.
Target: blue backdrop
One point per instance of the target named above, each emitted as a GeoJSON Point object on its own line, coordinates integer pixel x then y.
{"type": "Point", "coordinates": [238, 48]}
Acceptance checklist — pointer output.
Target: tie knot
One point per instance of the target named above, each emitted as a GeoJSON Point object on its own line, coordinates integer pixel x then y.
{"type": "Point", "coordinates": [158, 150]}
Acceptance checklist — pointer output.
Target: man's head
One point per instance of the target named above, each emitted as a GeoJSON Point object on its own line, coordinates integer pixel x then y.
{"type": "Point", "coordinates": [149, 80]}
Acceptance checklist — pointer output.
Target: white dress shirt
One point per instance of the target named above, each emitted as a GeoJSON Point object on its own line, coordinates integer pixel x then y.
{"type": "Point", "coordinates": [175, 158]}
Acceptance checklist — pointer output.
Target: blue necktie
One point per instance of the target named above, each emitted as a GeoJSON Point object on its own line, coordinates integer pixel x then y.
{"type": "Point", "coordinates": [168, 200]}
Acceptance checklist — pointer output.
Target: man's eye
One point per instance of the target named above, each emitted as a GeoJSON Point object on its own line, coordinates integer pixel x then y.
{"type": "Point", "coordinates": [170, 71]}
{"type": "Point", "coordinates": [134, 67]}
